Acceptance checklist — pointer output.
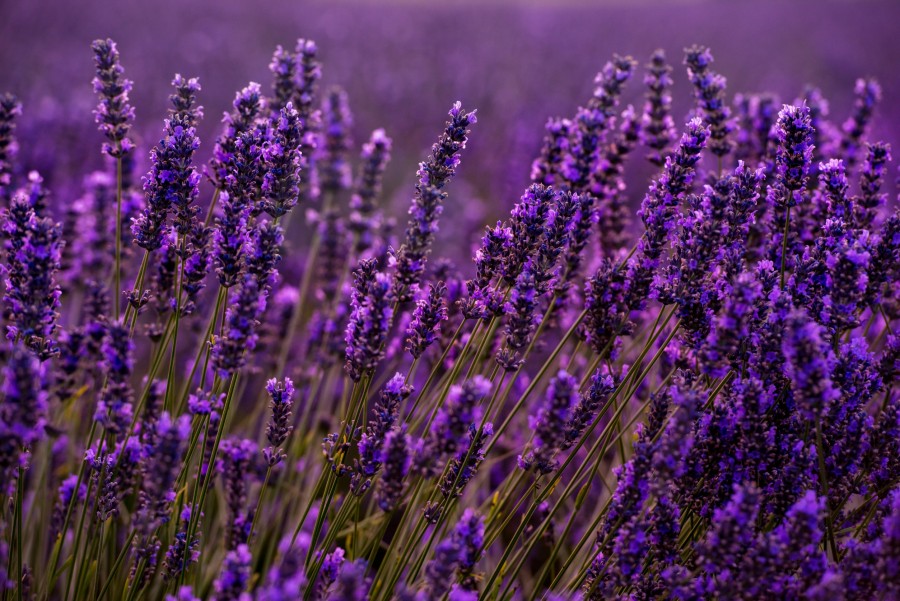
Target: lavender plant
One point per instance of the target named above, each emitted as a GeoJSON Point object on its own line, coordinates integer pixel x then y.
{"type": "Point", "coordinates": [700, 409]}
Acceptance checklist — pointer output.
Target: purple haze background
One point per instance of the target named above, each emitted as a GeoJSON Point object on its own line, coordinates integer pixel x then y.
{"type": "Point", "coordinates": [404, 63]}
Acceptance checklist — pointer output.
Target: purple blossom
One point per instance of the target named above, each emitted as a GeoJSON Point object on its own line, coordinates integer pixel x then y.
{"type": "Point", "coordinates": [657, 130]}
{"type": "Point", "coordinates": [433, 175]}
{"type": "Point", "coordinates": [281, 396]}
{"type": "Point", "coordinates": [545, 169]}
{"type": "Point", "coordinates": [425, 327]}
{"type": "Point", "coordinates": [868, 95]}
{"type": "Point", "coordinates": [235, 464]}
{"type": "Point", "coordinates": [374, 159]}
{"type": "Point", "coordinates": [229, 239]}
{"type": "Point", "coordinates": [234, 578]}
{"type": "Point", "coordinates": [283, 161]}
{"type": "Point", "coordinates": [370, 320]}
{"type": "Point", "coordinates": [871, 199]}
{"type": "Point", "coordinates": [10, 109]}
{"type": "Point", "coordinates": [33, 246]}
{"type": "Point", "coordinates": [248, 106]}
{"type": "Point", "coordinates": [394, 456]}
{"type": "Point", "coordinates": [549, 424]}
{"type": "Point", "coordinates": [332, 162]}
{"type": "Point", "coordinates": [450, 429]}
{"type": "Point", "coordinates": [241, 332]}
{"type": "Point", "coordinates": [115, 407]}
{"type": "Point", "coordinates": [113, 114]}
{"type": "Point", "coordinates": [23, 413]}
{"type": "Point", "coordinates": [709, 88]}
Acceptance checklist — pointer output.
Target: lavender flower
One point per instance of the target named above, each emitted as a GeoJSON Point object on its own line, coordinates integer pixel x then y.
{"type": "Point", "coordinates": [172, 180]}
{"type": "Point", "coordinates": [229, 351]}
{"type": "Point", "coordinates": [284, 72]}
{"type": "Point", "coordinates": [433, 174]}
{"type": "Point", "coordinates": [278, 429]}
{"type": "Point", "coordinates": [23, 413]}
{"type": "Point", "coordinates": [351, 583]}
{"type": "Point", "coordinates": [332, 164]}
{"type": "Point", "coordinates": [384, 418]}
{"type": "Point", "coordinates": [545, 169]}
{"type": "Point", "coordinates": [374, 158]}
{"type": "Point", "coordinates": [32, 295]}
{"type": "Point", "coordinates": [370, 320]}
{"type": "Point", "coordinates": [709, 87]}
{"type": "Point", "coordinates": [248, 106]}
{"type": "Point", "coordinates": [868, 94]}
{"type": "Point", "coordinates": [439, 572]}
{"type": "Point", "coordinates": [871, 199]}
{"type": "Point", "coordinates": [809, 362]}
{"type": "Point", "coordinates": [114, 114]}
{"type": "Point", "coordinates": [528, 219]}
{"type": "Point", "coordinates": [280, 185]}
{"type": "Point", "coordinates": [114, 409]}
{"type": "Point", "coordinates": [160, 466]}
{"type": "Point", "coordinates": [10, 108]}
{"type": "Point", "coordinates": [309, 72]}
{"type": "Point", "coordinates": [395, 458]}
{"type": "Point", "coordinates": [549, 424]}
{"type": "Point", "coordinates": [657, 126]}
{"type": "Point", "coordinates": [235, 463]}
{"type": "Point", "coordinates": [264, 252]}
{"type": "Point", "coordinates": [229, 238]}
{"type": "Point", "coordinates": [181, 554]}
{"type": "Point", "coordinates": [470, 534]}
{"type": "Point", "coordinates": [449, 430]}
{"type": "Point", "coordinates": [463, 467]}
{"type": "Point", "coordinates": [425, 327]}
{"type": "Point", "coordinates": [234, 578]}
{"type": "Point", "coordinates": [585, 410]}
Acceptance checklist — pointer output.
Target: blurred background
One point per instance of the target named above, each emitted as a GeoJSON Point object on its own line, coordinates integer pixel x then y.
{"type": "Point", "coordinates": [405, 62]}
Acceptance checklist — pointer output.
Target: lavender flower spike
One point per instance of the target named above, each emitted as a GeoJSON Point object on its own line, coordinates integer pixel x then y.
{"type": "Point", "coordinates": [172, 180]}
{"type": "Point", "coordinates": [374, 158]}
{"type": "Point", "coordinates": [281, 183]}
{"type": "Point", "coordinates": [10, 108]}
{"type": "Point", "coordinates": [23, 413]}
{"type": "Point", "coordinates": [234, 579]}
{"type": "Point", "coordinates": [229, 351]}
{"type": "Point", "coordinates": [395, 458]}
{"type": "Point", "coordinates": [426, 322]}
{"type": "Point", "coordinates": [279, 427]}
{"type": "Point", "coordinates": [114, 114]}
{"type": "Point", "coordinates": [370, 320]}
{"type": "Point", "coordinates": [868, 94]}
{"type": "Point", "coordinates": [33, 251]}
{"type": "Point", "coordinates": [657, 131]}
{"type": "Point", "coordinates": [434, 174]}
{"type": "Point", "coordinates": [549, 424]}
{"type": "Point", "coordinates": [332, 164]}
{"type": "Point", "coordinates": [709, 88]}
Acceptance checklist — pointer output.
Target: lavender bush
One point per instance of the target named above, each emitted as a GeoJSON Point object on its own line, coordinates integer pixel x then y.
{"type": "Point", "coordinates": [240, 376]}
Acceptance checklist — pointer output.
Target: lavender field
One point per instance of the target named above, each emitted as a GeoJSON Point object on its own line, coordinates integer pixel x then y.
{"type": "Point", "coordinates": [365, 301]}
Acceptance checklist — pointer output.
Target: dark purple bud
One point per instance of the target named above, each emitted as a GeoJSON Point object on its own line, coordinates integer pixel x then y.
{"type": "Point", "coordinates": [332, 163]}
{"type": "Point", "coordinates": [549, 424]}
{"type": "Point", "coordinates": [230, 350]}
{"type": "Point", "coordinates": [234, 577]}
{"type": "Point", "coordinates": [433, 175]}
{"type": "Point", "coordinates": [425, 326]}
{"type": "Point", "coordinates": [113, 114]}
{"type": "Point", "coordinates": [709, 88]}
{"type": "Point", "coordinates": [281, 395]}
{"type": "Point", "coordinates": [657, 131]}
{"type": "Point", "coordinates": [370, 320]}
